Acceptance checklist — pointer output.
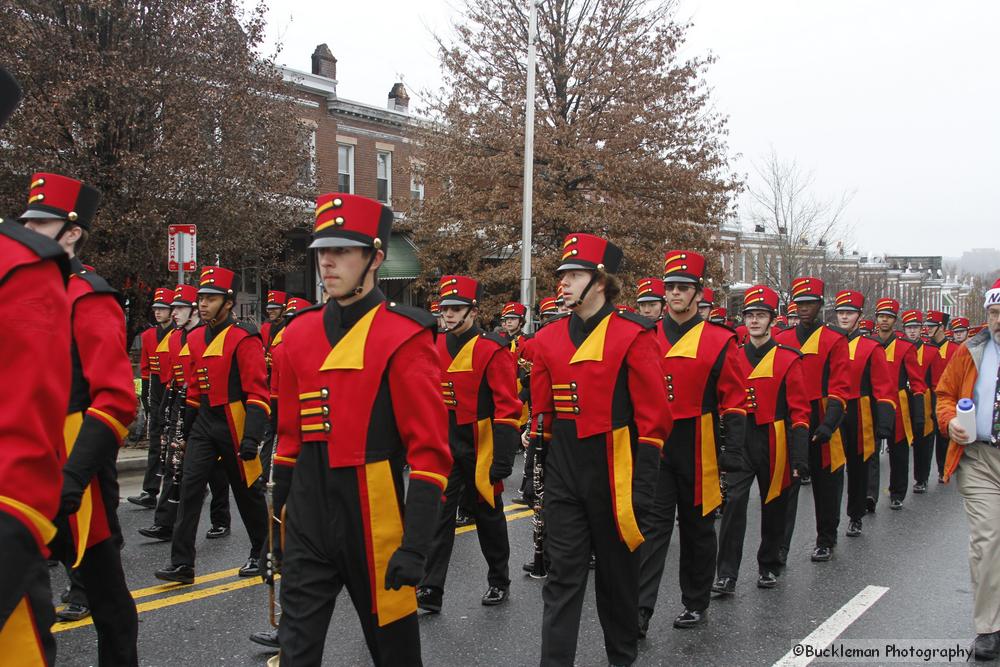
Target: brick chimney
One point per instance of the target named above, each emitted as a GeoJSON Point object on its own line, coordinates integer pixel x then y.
{"type": "Point", "coordinates": [323, 62]}
{"type": "Point", "coordinates": [399, 100]}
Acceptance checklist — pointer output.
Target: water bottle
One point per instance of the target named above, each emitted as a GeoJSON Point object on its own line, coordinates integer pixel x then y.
{"type": "Point", "coordinates": [965, 411]}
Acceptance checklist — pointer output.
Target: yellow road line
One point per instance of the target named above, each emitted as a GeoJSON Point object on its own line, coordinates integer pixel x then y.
{"type": "Point", "coordinates": [211, 591]}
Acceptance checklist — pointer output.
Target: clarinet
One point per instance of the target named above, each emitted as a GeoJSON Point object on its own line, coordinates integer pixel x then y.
{"type": "Point", "coordinates": [538, 570]}
{"type": "Point", "coordinates": [167, 432]}
{"type": "Point", "coordinates": [178, 444]}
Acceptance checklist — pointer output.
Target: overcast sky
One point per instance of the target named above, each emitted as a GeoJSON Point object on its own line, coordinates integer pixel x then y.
{"type": "Point", "coordinates": [896, 101]}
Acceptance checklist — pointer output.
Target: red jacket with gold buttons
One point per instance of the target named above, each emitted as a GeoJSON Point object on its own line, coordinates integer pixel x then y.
{"type": "Point", "coordinates": [871, 383]}
{"type": "Point", "coordinates": [33, 271]}
{"type": "Point", "coordinates": [154, 361]}
{"type": "Point", "coordinates": [479, 381]}
{"type": "Point", "coordinates": [371, 395]}
{"type": "Point", "coordinates": [907, 378]}
{"type": "Point", "coordinates": [824, 360]}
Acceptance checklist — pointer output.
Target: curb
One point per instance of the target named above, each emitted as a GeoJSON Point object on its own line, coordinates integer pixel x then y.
{"type": "Point", "coordinates": [132, 459]}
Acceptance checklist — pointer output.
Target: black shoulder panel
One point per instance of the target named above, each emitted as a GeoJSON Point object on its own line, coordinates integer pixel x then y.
{"type": "Point", "coordinates": [418, 315]}
{"type": "Point", "coordinates": [97, 283]}
{"type": "Point", "coordinates": [496, 338]}
{"type": "Point", "coordinates": [644, 322]}
{"type": "Point", "coordinates": [249, 328]}
{"type": "Point", "coordinates": [790, 349]}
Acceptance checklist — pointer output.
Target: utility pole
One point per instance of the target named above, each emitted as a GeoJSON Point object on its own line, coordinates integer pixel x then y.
{"type": "Point", "coordinates": [527, 296]}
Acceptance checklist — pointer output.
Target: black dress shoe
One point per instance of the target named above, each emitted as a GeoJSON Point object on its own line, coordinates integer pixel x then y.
{"type": "Point", "coordinates": [155, 532]}
{"type": "Point", "coordinates": [821, 554]}
{"type": "Point", "coordinates": [183, 574]}
{"type": "Point", "coordinates": [495, 595]}
{"type": "Point", "coordinates": [216, 532]}
{"type": "Point", "coordinates": [520, 500]}
{"type": "Point", "coordinates": [144, 499]}
{"type": "Point", "coordinates": [73, 612]}
{"type": "Point", "coordinates": [767, 580]}
{"type": "Point", "coordinates": [870, 504]}
{"type": "Point", "coordinates": [987, 646]}
{"type": "Point", "coordinates": [805, 481]}
{"type": "Point", "coordinates": [644, 616]}
{"type": "Point", "coordinates": [920, 487]}
{"type": "Point", "coordinates": [724, 586]}
{"type": "Point", "coordinates": [251, 568]}
{"type": "Point", "coordinates": [895, 504]}
{"type": "Point", "coordinates": [689, 618]}
{"type": "Point", "coordinates": [854, 528]}
{"type": "Point", "coordinates": [430, 599]}
{"type": "Point", "coordinates": [463, 519]}
{"type": "Point", "coordinates": [940, 479]}
{"type": "Point", "coordinates": [268, 638]}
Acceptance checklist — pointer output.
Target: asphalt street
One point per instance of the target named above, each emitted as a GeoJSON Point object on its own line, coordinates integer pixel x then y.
{"type": "Point", "coordinates": [918, 554]}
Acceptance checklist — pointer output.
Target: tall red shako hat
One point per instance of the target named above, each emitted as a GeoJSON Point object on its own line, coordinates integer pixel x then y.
{"type": "Point", "coordinates": [55, 197]}
{"type": "Point", "coordinates": [650, 289]}
{"type": "Point", "coordinates": [760, 297]}
{"type": "Point", "coordinates": [459, 291]}
{"type": "Point", "coordinates": [217, 280]}
{"type": "Point", "coordinates": [586, 252]}
{"type": "Point", "coordinates": [163, 297]}
{"type": "Point", "coordinates": [346, 221]}
{"type": "Point", "coordinates": [807, 288]}
{"type": "Point", "coordinates": [851, 300]}
{"type": "Point", "coordinates": [513, 309]}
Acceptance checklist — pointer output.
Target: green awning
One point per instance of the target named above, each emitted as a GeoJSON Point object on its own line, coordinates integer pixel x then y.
{"type": "Point", "coordinates": [402, 263]}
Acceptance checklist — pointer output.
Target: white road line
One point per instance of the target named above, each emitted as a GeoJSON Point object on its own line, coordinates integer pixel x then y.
{"type": "Point", "coordinates": [832, 627]}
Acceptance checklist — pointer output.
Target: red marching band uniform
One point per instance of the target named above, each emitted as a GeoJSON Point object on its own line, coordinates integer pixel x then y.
{"type": "Point", "coordinates": [928, 355]}
{"type": "Point", "coordinates": [704, 379]}
{"type": "Point", "coordinates": [33, 272]}
{"type": "Point", "coordinates": [359, 395]}
{"type": "Point", "coordinates": [155, 373]}
{"type": "Point", "coordinates": [909, 387]}
{"type": "Point", "coordinates": [478, 387]}
{"type": "Point", "coordinates": [102, 403]}
{"type": "Point", "coordinates": [825, 362]}
{"type": "Point", "coordinates": [946, 350]}
{"type": "Point", "coordinates": [776, 444]}
{"type": "Point", "coordinates": [604, 411]}
{"type": "Point", "coordinates": [870, 411]}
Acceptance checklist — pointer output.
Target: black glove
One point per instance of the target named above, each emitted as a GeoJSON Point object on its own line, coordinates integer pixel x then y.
{"type": "Point", "coordinates": [96, 446]}
{"type": "Point", "coordinates": [406, 566]}
{"type": "Point", "coordinates": [248, 449]}
{"type": "Point", "coordinates": [255, 426]}
{"type": "Point", "coordinates": [190, 414]}
{"type": "Point", "coordinates": [644, 476]}
{"type": "Point", "coordinates": [506, 442]}
{"type": "Point", "coordinates": [731, 457]}
{"type": "Point", "coordinates": [798, 450]}
{"type": "Point", "coordinates": [917, 415]}
{"type": "Point", "coordinates": [885, 421]}
{"type": "Point", "coordinates": [834, 413]}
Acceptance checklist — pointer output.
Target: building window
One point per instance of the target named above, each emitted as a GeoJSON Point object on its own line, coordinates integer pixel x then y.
{"type": "Point", "coordinates": [345, 168]}
{"type": "Point", "coordinates": [383, 176]}
{"type": "Point", "coordinates": [307, 173]}
{"type": "Point", "coordinates": [416, 187]}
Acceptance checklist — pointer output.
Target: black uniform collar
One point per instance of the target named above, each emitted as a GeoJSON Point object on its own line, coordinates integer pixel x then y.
{"type": "Point", "coordinates": [855, 334]}
{"type": "Point", "coordinates": [579, 328]}
{"type": "Point", "coordinates": [212, 331]}
{"type": "Point", "coordinates": [756, 354]}
{"type": "Point", "coordinates": [802, 332]}
{"type": "Point", "coordinates": [674, 331]}
{"type": "Point", "coordinates": [338, 319]}
{"type": "Point", "coordinates": [456, 343]}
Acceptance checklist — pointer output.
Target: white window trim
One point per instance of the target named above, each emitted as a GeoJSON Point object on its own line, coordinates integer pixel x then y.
{"type": "Point", "coordinates": [388, 165]}
{"type": "Point", "coordinates": [350, 165]}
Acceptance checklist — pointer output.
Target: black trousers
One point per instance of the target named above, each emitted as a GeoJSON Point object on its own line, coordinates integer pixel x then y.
{"type": "Point", "coordinates": [169, 500]}
{"type": "Point", "coordinates": [579, 517]}
{"type": "Point", "coordinates": [324, 552]}
{"type": "Point", "coordinates": [940, 450]}
{"type": "Point", "coordinates": [675, 498]}
{"type": "Point", "coordinates": [491, 523]}
{"type": "Point", "coordinates": [857, 467]}
{"type": "Point", "coordinates": [733, 527]}
{"type": "Point", "coordinates": [151, 478]}
{"type": "Point", "coordinates": [923, 456]}
{"type": "Point", "coordinates": [25, 598]}
{"type": "Point", "coordinates": [828, 493]}
{"type": "Point", "coordinates": [899, 469]}
{"type": "Point", "coordinates": [209, 442]}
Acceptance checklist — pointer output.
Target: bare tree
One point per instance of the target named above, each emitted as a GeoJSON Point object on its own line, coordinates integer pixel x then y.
{"type": "Point", "coordinates": [809, 235]}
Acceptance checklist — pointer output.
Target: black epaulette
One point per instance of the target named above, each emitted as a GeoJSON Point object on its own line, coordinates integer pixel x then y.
{"type": "Point", "coordinates": [644, 322]}
{"type": "Point", "coordinates": [496, 338]}
{"type": "Point", "coordinates": [249, 327]}
{"type": "Point", "coordinates": [834, 328]}
{"type": "Point", "coordinates": [98, 284]}
{"type": "Point", "coordinates": [798, 353]}
{"type": "Point", "coordinates": [42, 246]}
{"type": "Point", "coordinates": [418, 315]}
